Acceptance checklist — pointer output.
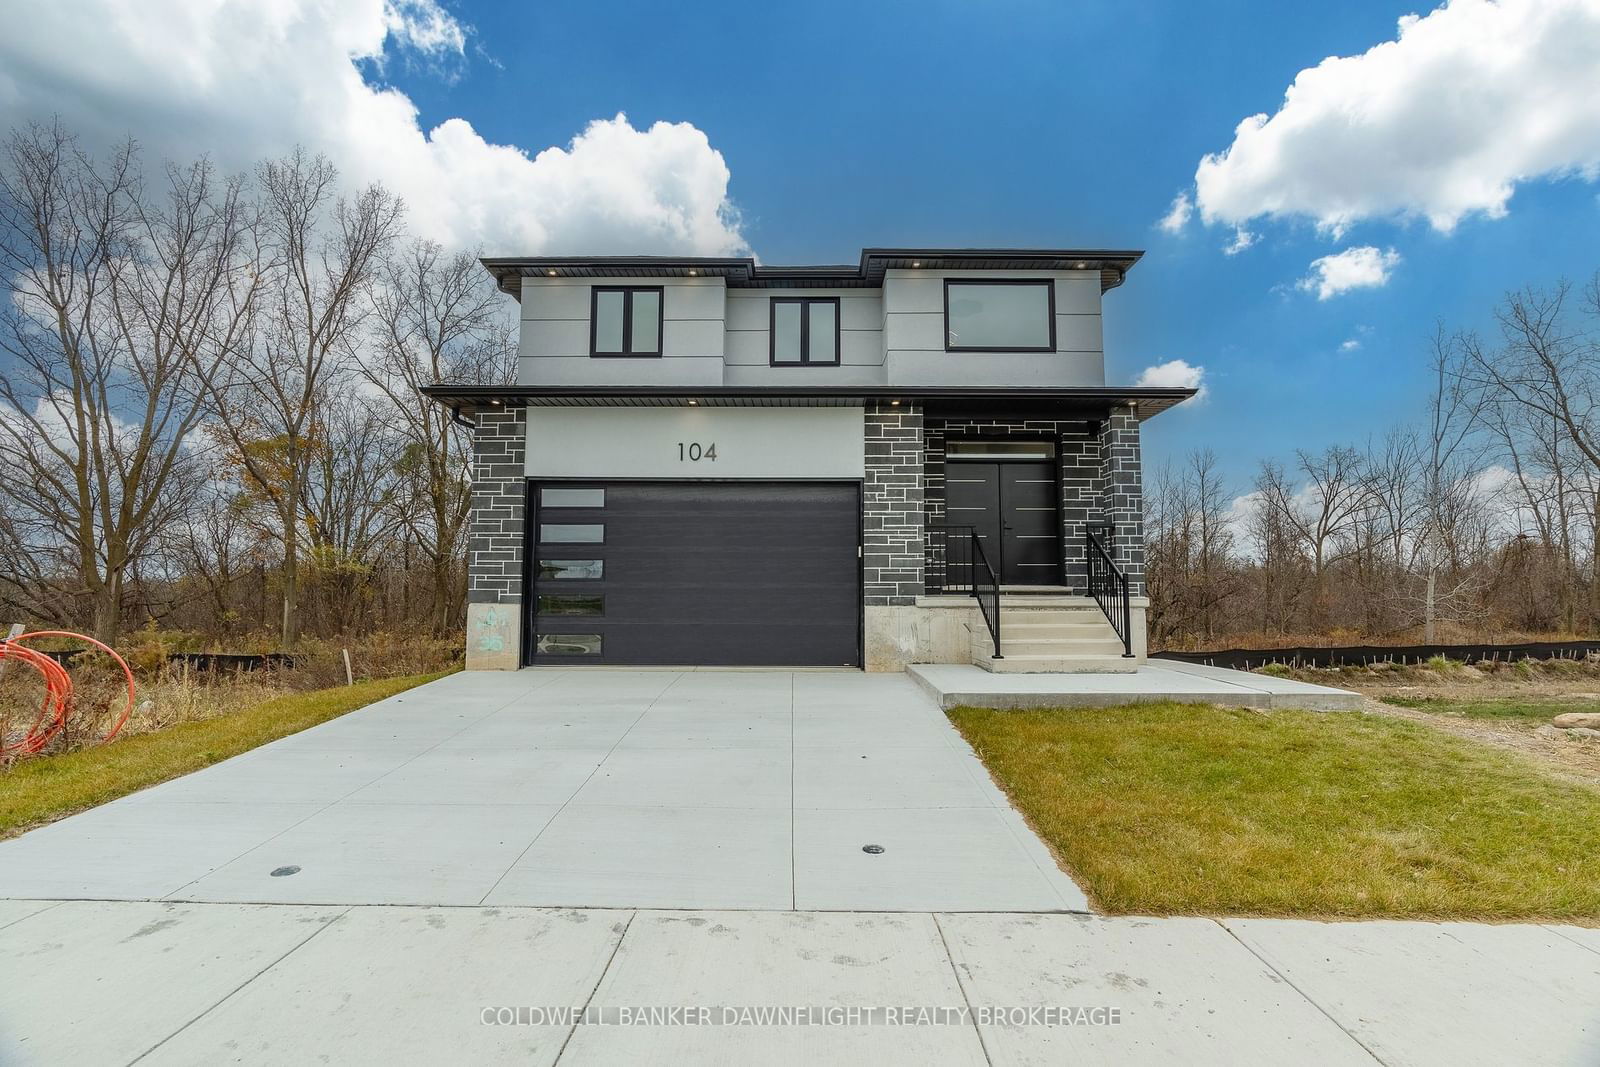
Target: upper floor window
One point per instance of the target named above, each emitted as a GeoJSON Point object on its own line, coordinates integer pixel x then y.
{"type": "Point", "coordinates": [625, 320]}
{"type": "Point", "coordinates": [984, 315]}
{"type": "Point", "coordinates": [805, 331]}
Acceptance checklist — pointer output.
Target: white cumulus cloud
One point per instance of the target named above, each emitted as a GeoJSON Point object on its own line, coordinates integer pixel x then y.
{"type": "Point", "coordinates": [1242, 239]}
{"type": "Point", "coordinates": [246, 79]}
{"type": "Point", "coordinates": [425, 26]}
{"type": "Point", "coordinates": [1177, 216]}
{"type": "Point", "coordinates": [1443, 122]}
{"type": "Point", "coordinates": [1175, 373]}
{"type": "Point", "coordinates": [1362, 267]}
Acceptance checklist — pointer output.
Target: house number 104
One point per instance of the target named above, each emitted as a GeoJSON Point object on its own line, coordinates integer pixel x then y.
{"type": "Point", "coordinates": [694, 451]}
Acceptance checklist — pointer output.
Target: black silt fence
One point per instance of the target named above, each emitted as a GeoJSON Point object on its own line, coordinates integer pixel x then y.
{"type": "Point", "coordinates": [231, 661]}
{"type": "Point", "coordinates": [1367, 655]}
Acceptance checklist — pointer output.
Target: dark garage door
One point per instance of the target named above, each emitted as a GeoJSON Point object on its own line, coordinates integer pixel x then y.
{"type": "Point", "coordinates": [696, 573]}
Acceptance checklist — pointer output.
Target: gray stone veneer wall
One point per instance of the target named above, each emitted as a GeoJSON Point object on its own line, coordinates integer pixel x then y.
{"type": "Point", "coordinates": [499, 492]}
{"type": "Point", "coordinates": [891, 504]}
{"type": "Point", "coordinates": [1099, 482]}
{"type": "Point", "coordinates": [1122, 494]}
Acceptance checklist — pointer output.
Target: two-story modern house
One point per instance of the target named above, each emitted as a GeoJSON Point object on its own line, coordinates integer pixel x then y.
{"type": "Point", "coordinates": [914, 459]}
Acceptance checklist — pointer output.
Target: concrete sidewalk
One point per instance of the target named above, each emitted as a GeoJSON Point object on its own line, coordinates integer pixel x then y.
{"type": "Point", "coordinates": [183, 983]}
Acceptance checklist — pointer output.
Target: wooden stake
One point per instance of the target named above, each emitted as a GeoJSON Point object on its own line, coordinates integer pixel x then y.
{"type": "Point", "coordinates": [349, 679]}
{"type": "Point", "coordinates": [16, 631]}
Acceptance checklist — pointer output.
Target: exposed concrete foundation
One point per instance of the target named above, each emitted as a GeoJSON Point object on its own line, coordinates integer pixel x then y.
{"type": "Point", "coordinates": [494, 636]}
{"type": "Point", "coordinates": [901, 634]}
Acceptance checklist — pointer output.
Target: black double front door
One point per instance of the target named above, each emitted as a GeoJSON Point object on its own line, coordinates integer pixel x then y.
{"type": "Point", "coordinates": [1013, 507]}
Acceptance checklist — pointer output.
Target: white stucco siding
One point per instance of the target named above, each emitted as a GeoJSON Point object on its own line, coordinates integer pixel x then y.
{"type": "Point", "coordinates": [642, 442]}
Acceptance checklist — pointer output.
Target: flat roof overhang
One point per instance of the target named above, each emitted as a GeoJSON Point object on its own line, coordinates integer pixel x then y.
{"type": "Point", "coordinates": [745, 273]}
{"type": "Point", "coordinates": [1083, 402]}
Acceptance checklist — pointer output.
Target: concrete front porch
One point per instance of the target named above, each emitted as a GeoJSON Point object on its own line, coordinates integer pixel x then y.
{"type": "Point", "coordinates": [952, 685]}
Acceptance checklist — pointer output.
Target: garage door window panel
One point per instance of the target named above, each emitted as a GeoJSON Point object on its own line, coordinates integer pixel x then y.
{"type": "Point", "coordinates": [571, 644]}
{"type": "Point", "coordinates": [562, 497]}
{"type": "Point", "coordinates": [565, 570]}
{"type": "Point", "coordinates": [571, 604]}
{"type": "Point", "coordinates": [559, 533]}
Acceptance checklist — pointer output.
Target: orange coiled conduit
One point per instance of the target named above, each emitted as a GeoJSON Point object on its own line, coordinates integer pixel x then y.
{"type": "Point", "coordinates": [58, 705]}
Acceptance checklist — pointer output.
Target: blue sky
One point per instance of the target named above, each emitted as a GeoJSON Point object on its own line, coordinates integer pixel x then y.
{"type": "Point", "coordinates": [831, 126]}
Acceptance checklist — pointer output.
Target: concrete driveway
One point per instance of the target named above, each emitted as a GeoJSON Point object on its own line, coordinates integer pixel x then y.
{"type": "Point", "coordinates": [579, 788]}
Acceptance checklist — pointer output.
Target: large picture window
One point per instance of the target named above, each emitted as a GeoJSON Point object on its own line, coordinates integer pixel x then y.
{"type": "Point", "coordinates": [625, 320]}
{"type": "Point", "coordinates": [982, 315]}
{"type": "Point", "coordinates": [805, 331]}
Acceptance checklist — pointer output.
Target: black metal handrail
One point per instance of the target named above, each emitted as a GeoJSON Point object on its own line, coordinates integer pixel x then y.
{"type": "Point", "coordinates": [986, 590]}
{"type": "Point", "coordinates": [947, 563]}
{"type": "Point", "coordinates": [1109, 587]}
{"type": "Point", "coordinates": [955, 562]}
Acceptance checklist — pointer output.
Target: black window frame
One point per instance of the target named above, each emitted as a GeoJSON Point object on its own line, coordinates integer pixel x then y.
{"type": "Point", "coordinates": [805, 303]}
{"type": "Point", "coordinates": [627, 292]}
{"type": "Point", "coordinates": [1050, 290]}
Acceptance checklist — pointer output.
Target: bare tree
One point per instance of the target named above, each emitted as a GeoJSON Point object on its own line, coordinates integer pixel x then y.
{"type": "Point", "coordinates": [322, 254]}
{"type": "Point", "coordinates": [1189, 547]}
{"type": "Point", "coordinates": [1549, 366]}
{"type": "Point", "coordinates": [351, 503]}
{"type": "Point", "coordinates": [439, 319]}
{"type": "Point", "coordinates": [119, 309]}
{"type": "Point", "coordinates": [1321, 516]}
{"type": "Point", "coordinates": [1384, 531]}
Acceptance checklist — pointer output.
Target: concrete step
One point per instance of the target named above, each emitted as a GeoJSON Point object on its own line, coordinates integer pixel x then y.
{"type": "Point", "coordinates": [1058, 664]}
{"type": "Point", "coordinates": [1105, 646]}
{"type": "Point", "coordinates": [1036, 600]}
{"type": "Point", "coordinates": [1076, 615]}
{"type": "Point", "coordinates": [1062, 630]}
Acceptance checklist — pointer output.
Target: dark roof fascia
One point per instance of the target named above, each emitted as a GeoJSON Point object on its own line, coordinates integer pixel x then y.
{"type": "Point", "coordinates": [745, 272]}
{"type": "Point", "coordinates": [1147, 401]}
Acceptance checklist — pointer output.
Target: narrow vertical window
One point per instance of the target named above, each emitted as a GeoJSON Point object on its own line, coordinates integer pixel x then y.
{"type": "Point", "coordinates": [625, 321]}
{"type": "Point", "coordinates": [805, 331]}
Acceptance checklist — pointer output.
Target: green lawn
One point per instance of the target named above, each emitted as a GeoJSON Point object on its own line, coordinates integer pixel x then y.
{"type": "Point", "coordinates": [1192, 809]}
{"type": "Point", "coordinates": [38, 790]}
{"type": "Point", "coordinates": [1532, 710]}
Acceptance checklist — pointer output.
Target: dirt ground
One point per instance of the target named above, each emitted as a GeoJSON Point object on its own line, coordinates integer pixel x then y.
{"type": "Point", "coordinates": [1574, 683]}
